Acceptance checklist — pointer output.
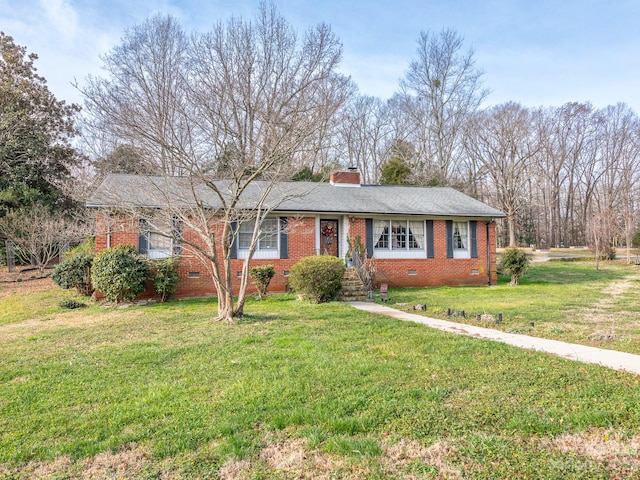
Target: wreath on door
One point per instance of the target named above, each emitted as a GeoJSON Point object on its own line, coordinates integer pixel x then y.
{"type": "Point", "coordinates": [328, 232]}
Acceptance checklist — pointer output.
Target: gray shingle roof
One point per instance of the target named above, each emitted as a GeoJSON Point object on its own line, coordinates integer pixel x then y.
{"type": "Point", "coordinates": [304, 197]}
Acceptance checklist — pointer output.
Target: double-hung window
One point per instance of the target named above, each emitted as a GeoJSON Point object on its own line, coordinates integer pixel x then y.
{"type": "Point", "coordinates": [398, 236]}
{"type": "Point", "coordinates": [267, 246]}
{"type": "Point", "coordinates": [160, 243]}
{"type": "Point", "coordinates": [159, 246]}
{"type": "Point", "coordinates": [460, 240]}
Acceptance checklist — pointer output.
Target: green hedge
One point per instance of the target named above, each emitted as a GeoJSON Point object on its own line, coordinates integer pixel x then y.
{"type": "Point", "coordinates": [75, 272]}
{"type": "Point", "coordinates": [119, 273]}
{"type": "Point", "coordinates": [317, 279]}
{"type": "Point", "coordinates": [262, 276]}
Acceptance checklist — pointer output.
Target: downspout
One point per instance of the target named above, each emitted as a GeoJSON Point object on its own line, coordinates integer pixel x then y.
{"type": "Point", "coordinates": [488, 257]}
{"type": "Point", "coordinates": [109, 231]}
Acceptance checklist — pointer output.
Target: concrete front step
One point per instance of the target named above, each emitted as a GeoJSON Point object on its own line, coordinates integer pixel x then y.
{"type": "Point", "coordinates": [352, 288]}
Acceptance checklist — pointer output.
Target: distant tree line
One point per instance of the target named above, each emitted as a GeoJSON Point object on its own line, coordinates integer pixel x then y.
{"type": "Point", "coordinates": [567, 175]}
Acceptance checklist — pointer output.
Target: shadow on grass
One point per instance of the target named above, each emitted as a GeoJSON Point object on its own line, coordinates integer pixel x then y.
{"type": "Point", "coordinates": [255, 311]}
{"type": "Point", "coordinates": [251, 318]}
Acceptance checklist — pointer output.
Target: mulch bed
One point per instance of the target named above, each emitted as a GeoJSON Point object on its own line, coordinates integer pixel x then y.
{"type": "Point", "coordinates": [22, 274]}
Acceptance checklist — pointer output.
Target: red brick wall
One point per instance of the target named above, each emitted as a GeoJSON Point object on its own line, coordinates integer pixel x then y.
{"type": "Point", "coordinates": [301, 243]}
{"type": "Point", "coordinates": [439, 270]}
{"type": "Point", "coordinates": [302, 237]}
{"type": "Point", "coordinates": [123, 230]}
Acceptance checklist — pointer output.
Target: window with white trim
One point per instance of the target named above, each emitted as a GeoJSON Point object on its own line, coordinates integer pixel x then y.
{"type": "Point", "coordinates": [159, 243]}
{"type": "Point", "coordinates": [268, 235]}
{"type": "Point", "coordinates": [398, 235]}
{"type": "Point", "coordinates": [460, 240]}
{"type": "Point", "coordinates": [159, 246]}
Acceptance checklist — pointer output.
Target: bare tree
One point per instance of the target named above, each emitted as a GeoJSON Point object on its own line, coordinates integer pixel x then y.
{"type": "Point", "coordinates": [40, 235]}
{"type": "Point", "coordinates": [567, 137]}
{"type": "Point", "coordinates": [586, 161]}
{"type": "Point", "coordinates": [367, 133]}
{"type": "Point", "coordinates": [630, 209]}
{"type": "Point", "coordinates": [503, 141]}
{"type": "Point", "coordinates": [621, 180]}
{"type": "Point", "coordinates": [142, 101]}
{"type": "Point", "coordinates": [600, 228]}
{"type": "Point", "coordinates": [232, 111]}
{"type": "Point", "coordinates": [445, 88]}
{"type": "Point", "coordinates": [618, 130]}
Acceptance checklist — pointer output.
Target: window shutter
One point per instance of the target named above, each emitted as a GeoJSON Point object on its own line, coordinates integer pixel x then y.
{"type": "Point", "coordinates": [430, 251]}
{"type": "Point", "coordinates": [449, 238]}
{"type": "Point", "coordinates": [368, 229]}
{"type": "Point", "coordinates": [233, 240]}
{"type": "Point", "coordinates": [143, 240]}
{"type": "Point", "coordinates": [284, 237]}
{"type": "Point", "coordinates": [473, 234]}
{"type": "Point", "coordinates": [176, 233]}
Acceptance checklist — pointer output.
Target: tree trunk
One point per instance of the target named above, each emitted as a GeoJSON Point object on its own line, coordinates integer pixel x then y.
{"type": "Point", "coordinates": [512, 231]}
{"type": "Point", "coordinates": [225, 306]}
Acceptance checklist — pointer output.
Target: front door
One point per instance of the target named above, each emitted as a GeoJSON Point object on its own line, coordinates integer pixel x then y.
{"type": "Point", "coordinates": [329, 238]}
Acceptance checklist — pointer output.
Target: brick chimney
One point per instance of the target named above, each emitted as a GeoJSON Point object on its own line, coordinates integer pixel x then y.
{"type": "Point", "coordinates": [346, 178]}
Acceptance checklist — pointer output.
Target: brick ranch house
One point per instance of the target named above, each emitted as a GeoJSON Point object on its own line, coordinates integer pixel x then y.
{"type": "Point", "coordinates": [417, 236]}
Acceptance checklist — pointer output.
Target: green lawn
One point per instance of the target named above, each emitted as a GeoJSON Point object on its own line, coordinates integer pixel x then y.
{"type": "Point", "coordinates": [298, 391]}
{"type": "Point", "coordinates": [568, 301]}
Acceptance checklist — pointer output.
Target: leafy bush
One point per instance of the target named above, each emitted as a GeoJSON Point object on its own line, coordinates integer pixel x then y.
{"type": "Point", "coordinates": [71, 304]}
{"type": "Point", "coordinates": [165, 277]}
{"type": "Point", "coordinates": [514, 262]}
{"type": "Point", "coordinates": [75, 272]}
{"type": "Point", "coordinates": [119, 273]}
{"type": "Point", "coordinates": [317, 279]}
{"type": "Point", "coordinates": [262, 276]}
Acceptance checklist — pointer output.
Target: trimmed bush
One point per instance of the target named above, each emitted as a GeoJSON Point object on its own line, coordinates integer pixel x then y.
{"type": "Point", "coordinates": [165, 277]}
{"type": "Point", "coordinates": [515, 263]}
{"type": "Point", "coordinates": [75, 272]}
{"type": "Point", "coordinates": [317, 279]}
{"type": "Point", "coordinates": [262, 276]}
{"type": "Point", "coordinates": [119, 273]}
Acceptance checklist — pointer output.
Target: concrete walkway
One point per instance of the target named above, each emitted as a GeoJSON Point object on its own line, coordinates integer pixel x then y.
{"type": "Point", "coordinates": [608, 358]}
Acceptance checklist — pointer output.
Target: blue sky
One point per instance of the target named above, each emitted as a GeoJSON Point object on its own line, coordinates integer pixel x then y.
{"type": "Point", "coordinates": [535, 52]}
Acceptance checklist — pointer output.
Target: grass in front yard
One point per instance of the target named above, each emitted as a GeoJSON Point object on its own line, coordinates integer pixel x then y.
{"type": "Point", "coordinates": [297, 391]}
{"type": "Point", "coordinates": [568, 301]}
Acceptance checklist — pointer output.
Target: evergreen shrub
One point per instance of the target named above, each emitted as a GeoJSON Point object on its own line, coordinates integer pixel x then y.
{"type": "Point", "coordinates": [119, 273]}
{"type": "Point", "coordinates": [75, 272]}
{"type": "Point", "coordinates": [165, 277]}
{"type": "Point", "coordinates": [262, 276]}
{"type": "Point", "coordinates": [515, 263]}
{"type": "Point", "coordinates": [317, 279]}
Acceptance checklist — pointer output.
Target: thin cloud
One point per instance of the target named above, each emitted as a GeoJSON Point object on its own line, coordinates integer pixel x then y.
{"type": "Point", "coordinates": [61, 16]}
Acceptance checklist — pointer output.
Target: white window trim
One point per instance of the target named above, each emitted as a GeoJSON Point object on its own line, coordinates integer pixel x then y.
{"type": "Point", "coordinates": [400, 253]}
{"type": "Point", "coordinates": [391, 253]}
{"type": "Point", "coordinates": [156, 253]}
{"type": "Point", "coordinates": [260, 254]}
{"type": "Point", "coordinates": [267, 253]}
{"type": "Point", "coordinates": [462, 252]}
